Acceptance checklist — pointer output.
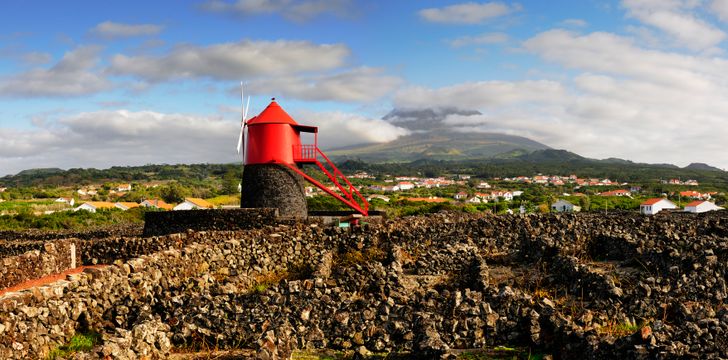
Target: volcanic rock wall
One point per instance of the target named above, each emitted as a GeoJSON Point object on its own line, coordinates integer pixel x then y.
{"type": "Point", "coordinates": [55, 257]}
{"type": "Point", "coordinates": [169, 222]}
{"type": "Point", "coordinates": [128, 295]}
{"type": "Point", "coordinates": [572, 285]}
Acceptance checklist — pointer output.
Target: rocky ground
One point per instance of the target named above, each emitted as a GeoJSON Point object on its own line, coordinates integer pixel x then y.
{"type": "Point", "coordinates": [563, 286]}
{"type": "Point", "coordinates": [573, 286]}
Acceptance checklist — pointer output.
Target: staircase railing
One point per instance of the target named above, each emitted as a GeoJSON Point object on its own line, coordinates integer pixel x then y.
{"type": "Point", "coordinates": [352, 197]}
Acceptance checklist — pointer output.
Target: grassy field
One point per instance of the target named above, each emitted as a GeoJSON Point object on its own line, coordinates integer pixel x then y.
{"type": "Point", "coordinates": [37, 206]}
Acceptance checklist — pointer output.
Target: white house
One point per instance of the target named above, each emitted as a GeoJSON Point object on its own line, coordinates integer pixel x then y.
{"type": "Point", "coordinates": [123, 187]}
{"type": "Point", "coordinates": [156, 203]}
{"type": "Point", "coordinates": [483, 185]}
{"type": "Point", "coordinates": [92, 206]}
{"type": "Point", "coordinates": [564, 206]}
{"type": "Point", "coordinates": [126, 205]}
{"type": "Point", "coordinates": [506, 195]}
{"type": "Point", "coordinates": [69, 201]}
{"type": "Point", "coordinates": [653, 206]}
{"type": "Point", "coordinates": [461, 195]}
{"type": "Point", "coordinates": [701, 206]}
{"type": "Point", "coordinates": [406, 185]}
{"type": "Point", "coordinates": [474, 200]}
{"type": "Point", "coordinates": [193, 204]}
{"type": "Point", "coordinates": [380, 197]}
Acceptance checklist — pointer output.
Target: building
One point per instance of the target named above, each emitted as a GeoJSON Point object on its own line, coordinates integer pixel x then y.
{"type": "Point", "coordinates": [701, 206]}
{"type": "Point", "coordinates": [564, 206]}
{"type": "Point", "coordinates": [483, 185]}
{"type": "Point", "coordinates": [93, 206]}
{"type": "Point", "coordinates": [87, 192]}
{"type": "Point", "coordinates": [194, 204]}
{"type": "Point", "coordinates": [653, 206]}
{"type": "Point", "coordinates": [126, 205]}
{"type": "Point", "coordinates": [620, 192]}
{"type": "Point", "coordinates": [384, 198]}
{"type": "Point", "coordinates": [123, 187]}
{"type": "Point", "coordinates": [69, 201]}
{"type": "Point", "coordinates": [474, 200]}
{"type": "Point", "coordinates": [461, 195]}
{"type": "Point", "coordinates": [156, 203]}
{"type": "Point", "coordinates": [692, 194]}
{"type": "Point", "coordinates": [506, 195]}
{"type": "Point", "coordinates": [406, 185]}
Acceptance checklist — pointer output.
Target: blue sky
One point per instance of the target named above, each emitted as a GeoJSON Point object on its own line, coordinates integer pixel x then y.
{"type": "Point", "coordinates": [98, 84]}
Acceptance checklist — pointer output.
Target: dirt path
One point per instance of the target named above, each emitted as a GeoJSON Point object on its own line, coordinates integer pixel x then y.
{"type": "Point", "coordinates": [46, 279]}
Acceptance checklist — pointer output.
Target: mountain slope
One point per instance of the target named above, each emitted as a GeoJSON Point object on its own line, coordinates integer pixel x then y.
{"type": "Point", "coordinates": [701, 166]}
{"type": "Point", "coordinates": [433, 138]}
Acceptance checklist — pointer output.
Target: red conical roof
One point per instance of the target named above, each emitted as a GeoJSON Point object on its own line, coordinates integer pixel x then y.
{"type": "Point", "coordinates": [273, 114]}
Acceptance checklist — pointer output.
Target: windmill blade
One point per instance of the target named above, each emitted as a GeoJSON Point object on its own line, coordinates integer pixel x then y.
{"type": "Point", "coordinates": [240, 139]}
{"type": "Point", "coordinates": [242, 120]}
{"type": "Point", "coordinates": [247, 108]}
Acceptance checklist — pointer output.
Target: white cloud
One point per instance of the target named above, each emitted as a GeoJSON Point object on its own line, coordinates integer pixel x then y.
{"type": "Point", "coordinates": [613, 54]}
{"type": "Point", "coordinates": [120, 137]}
{"type": "Point", "coordinates": [337, 129]}
{"type": "Point", "coordinates": [73, 75]}
{"type": "Point", "coordinates": [467, 13]}
{"type": "Point", "coordinates": [676, 19]}
{"type": "Point", "coordinates": [244, 59]}
{"type": "Point", "coordinates": [357, 85]}
{"type": "Point", "coordinates": [107, 138]}
{"type": "Point", "coordinates": [297, 10]}
{"type": "Point", "coordinates": [110, 30]}
{"type": "Point", "coordinates": [475, 95]}
{"type": "Point", "coordinates": [720, 8]}
{"type": "Point", "coordinates": [482, 39]}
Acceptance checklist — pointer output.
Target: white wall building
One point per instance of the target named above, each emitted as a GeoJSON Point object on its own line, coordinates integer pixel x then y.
{"type": "Point", "coordinates": [193, 204]}
{"type": "Point", "coordinates": [92, 206]}
{"type": "Point", "coordinates": [701, 206]}
{"type": "Point", "coordinates": [406, 185]}
{"type": "Point", "coordinates": [653, 206]}
{"type": "Point", "coordinates": [564, 206]}
{"type": "Point", "coordinates": [69, 201]}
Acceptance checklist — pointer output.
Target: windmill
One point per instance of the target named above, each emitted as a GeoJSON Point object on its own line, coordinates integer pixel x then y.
{"type": "Point", "coordinates": [273, 158]}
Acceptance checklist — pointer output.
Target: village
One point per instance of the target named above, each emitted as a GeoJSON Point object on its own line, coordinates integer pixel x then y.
{"type": "Point", "coordinates": [519, 194]}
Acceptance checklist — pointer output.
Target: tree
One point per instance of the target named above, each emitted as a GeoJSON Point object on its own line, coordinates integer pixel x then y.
{"type": "Point", "coordinates": [173, 193]}
{"type": "Point", "coordinates": [585, 203]}
{"type": "Point", "coordinates": [230, 182]}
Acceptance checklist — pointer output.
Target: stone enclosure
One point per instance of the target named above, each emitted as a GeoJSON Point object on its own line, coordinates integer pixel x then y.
{"type": "Point", "coordinates": [572, 286]}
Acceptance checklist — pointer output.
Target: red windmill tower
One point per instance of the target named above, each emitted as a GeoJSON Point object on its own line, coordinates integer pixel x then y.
{"type": "Point", "coordinates": [274, 159]}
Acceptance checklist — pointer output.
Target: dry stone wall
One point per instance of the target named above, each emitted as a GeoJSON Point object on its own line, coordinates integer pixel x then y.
{"type": "Point", "coordinates": [170, 222]}
{"type": "Point", "coordinates": [55, 257]}
{"type": "Point", "coordinates": [571, 285]}
{"type": "Point", "coordinates": [130, 295]}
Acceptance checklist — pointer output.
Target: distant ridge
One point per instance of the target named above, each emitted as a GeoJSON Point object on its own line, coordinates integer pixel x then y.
{"type": "Point", "coordinates": [550, 155]}
{"type": "Point", "coordinates": [40, 172]}
{"type": "Point", "coordinates": [702, 166]}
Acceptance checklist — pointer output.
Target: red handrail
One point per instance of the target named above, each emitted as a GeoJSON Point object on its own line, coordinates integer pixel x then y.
{"type": "Point", "coordinates": [309, 153]}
